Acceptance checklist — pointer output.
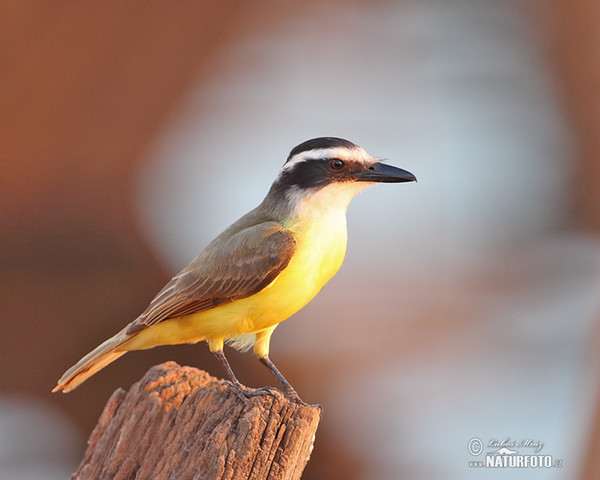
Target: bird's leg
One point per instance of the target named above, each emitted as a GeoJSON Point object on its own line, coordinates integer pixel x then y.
{"type": "Point", "coordinates": [221, 356]}
{"type": "Point", "coordinates": [241, 390]}
{"type": "Point", "coordinates": [289, 390]}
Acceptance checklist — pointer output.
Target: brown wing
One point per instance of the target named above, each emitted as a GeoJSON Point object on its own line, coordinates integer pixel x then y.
{"type": "Point", "coordinates": [229, 269]}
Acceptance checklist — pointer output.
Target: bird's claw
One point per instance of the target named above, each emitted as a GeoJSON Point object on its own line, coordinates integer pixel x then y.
{"type": "Point", "coordinates": [244, 393]}
{"type": "Point", "coordinates": [293, 396]}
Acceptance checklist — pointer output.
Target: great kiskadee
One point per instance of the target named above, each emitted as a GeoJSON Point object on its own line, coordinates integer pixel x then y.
{"type": "Point", "coordinates": [259, 271]}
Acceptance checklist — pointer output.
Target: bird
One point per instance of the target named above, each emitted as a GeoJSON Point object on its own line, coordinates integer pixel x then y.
{"type": "Point", "coordinates": [260, 270]}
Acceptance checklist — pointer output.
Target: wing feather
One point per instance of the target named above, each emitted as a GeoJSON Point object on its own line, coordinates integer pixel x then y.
{"type": "Point", "coordinates": [230, 268]}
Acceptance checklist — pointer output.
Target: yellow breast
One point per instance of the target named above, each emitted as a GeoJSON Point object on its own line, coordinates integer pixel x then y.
{"type": "Point", "coordinates": [319, 255]}
{"type": "Point", "coordinates": [321, 247]}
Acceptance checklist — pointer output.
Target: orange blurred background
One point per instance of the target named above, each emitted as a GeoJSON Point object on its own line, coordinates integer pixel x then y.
{"type": "Point", "coordinates": [133, 132]}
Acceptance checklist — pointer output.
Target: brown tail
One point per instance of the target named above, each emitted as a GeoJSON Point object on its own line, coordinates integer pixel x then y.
{"type": "Point", "coordinates": [94, 361]}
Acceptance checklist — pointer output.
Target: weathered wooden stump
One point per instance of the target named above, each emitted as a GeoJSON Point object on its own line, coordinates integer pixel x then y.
{"type": "Point", "coordinates": [181, 423]}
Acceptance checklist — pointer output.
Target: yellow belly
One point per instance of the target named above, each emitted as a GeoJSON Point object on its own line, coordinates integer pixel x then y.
{"type": "Point", "coordinates": [321, 247]}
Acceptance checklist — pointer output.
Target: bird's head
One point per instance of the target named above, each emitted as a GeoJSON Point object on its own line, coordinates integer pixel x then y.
{"type": "Point", "coordinates": [329, 171]}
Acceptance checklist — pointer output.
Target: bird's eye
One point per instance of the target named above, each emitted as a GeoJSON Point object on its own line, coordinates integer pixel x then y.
{"type": "Point", "coordinates": [336, 164]}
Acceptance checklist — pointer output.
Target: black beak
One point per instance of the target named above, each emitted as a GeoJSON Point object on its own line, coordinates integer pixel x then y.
{"type": "Point", "coordinates": [382, 173]}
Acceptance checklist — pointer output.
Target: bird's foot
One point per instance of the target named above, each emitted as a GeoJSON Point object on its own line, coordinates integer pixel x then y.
{"type": "Point", "coordinates": [244, 393]}
{"type": "Point", "coordinates": [293, 396]}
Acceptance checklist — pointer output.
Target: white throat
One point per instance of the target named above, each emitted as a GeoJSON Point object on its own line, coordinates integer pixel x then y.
{"type": "Point", "coordinates": [329, 201]}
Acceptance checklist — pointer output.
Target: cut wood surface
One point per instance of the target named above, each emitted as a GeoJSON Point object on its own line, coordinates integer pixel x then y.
{"type": "Point", "coordinates": [181, 423]}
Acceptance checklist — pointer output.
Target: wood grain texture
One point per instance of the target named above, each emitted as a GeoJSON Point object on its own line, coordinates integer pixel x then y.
{"type": "Point", "coordinates": [181, 423]}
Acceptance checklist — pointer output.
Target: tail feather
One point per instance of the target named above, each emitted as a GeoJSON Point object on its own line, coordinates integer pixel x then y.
{"type": "Point", "coordinates": [93, 362]}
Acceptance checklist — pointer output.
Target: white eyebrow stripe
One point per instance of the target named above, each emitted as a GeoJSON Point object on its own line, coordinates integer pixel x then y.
{"type": "Point", "coordinates": [342, 153]}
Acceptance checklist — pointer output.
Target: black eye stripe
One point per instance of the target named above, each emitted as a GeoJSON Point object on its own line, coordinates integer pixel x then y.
{"type": "Point", "coordinates": [310, 174]}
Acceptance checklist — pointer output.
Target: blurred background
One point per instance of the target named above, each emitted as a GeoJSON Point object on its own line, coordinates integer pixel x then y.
{"type": "Point", "coordinates": [133, 132]}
